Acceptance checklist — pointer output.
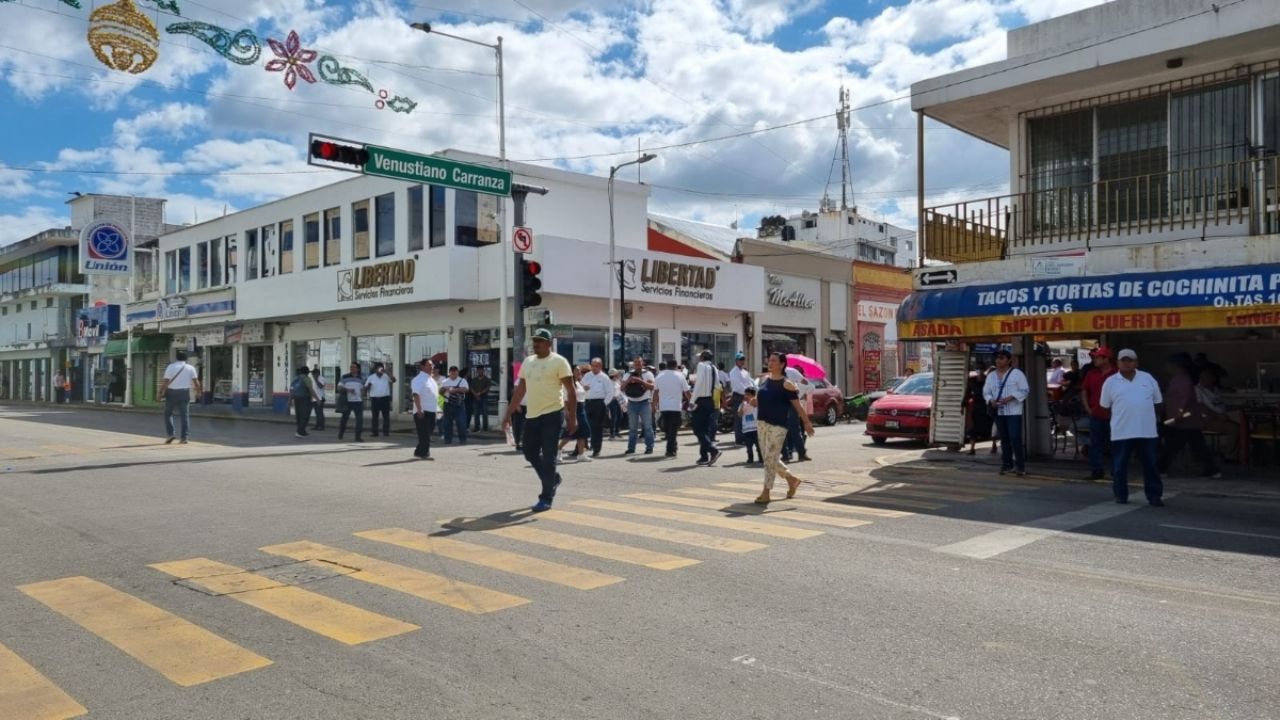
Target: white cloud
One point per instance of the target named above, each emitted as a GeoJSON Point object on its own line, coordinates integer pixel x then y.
{"type": "Point", "coordinates": [24, 222]}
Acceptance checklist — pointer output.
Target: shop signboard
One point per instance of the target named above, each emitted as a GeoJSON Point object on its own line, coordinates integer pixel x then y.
{"type": "Point", "coordinates": [1192, 299]}
{"type": "Point", "coordinates": [876, 312]}
{"type": "Point", "coordinates": [94, 325]}
{"type": "Point", "coordinates": [244, 333]}
{"type": "Point", "coordinates": [104, 250]}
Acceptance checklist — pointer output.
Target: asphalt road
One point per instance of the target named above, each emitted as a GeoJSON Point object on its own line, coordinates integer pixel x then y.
{"type": "Point", "coordinates": [253, 575]}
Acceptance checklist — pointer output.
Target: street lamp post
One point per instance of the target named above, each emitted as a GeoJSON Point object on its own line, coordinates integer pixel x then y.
{"type": "Point", "coordinates": [615, 270]}
{"type": "Point", "coordinates": [502, 206]}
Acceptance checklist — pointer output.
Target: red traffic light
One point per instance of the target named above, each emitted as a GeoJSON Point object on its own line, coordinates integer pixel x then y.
{"type": "Point", "coordinates": [326, 150]}
{"type": "Point", "coordinates": [339, 153]}
{"type": "Point", "coordinates": [532, 267]}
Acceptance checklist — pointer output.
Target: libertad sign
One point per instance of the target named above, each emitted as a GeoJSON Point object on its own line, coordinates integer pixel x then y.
{"type": "Point", "coordinates": [371, 282]}
{"type": "Point", "coordinates": [678, 279]}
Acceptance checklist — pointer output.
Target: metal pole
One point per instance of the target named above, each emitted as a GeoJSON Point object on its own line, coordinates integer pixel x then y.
{"type": "Point", "coordinates": [920, 188]}
{"type": "Point", "coordinates": [622, 330]}
{"type": "Point", "coordinates": [518, 198]}
{"type": "Point", "coordinates": [608, 340]}
{"type": "Point", "coordinates": [504, 358]}
{"type": "Point", "coordinates": [133, 269]}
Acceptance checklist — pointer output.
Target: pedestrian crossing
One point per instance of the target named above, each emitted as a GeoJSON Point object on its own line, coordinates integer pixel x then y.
{"type": "Point", "coordinates": [599, 543]}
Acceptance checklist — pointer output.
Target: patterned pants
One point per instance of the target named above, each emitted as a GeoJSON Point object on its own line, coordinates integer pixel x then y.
{"type": "Point", "coordinates": [771, 439]}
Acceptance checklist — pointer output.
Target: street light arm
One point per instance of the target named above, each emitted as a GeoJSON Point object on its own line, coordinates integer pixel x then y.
{"type": "Point", "coordinates": [426, 28]}
{"type": "Point", "coordinates": [642, 159]}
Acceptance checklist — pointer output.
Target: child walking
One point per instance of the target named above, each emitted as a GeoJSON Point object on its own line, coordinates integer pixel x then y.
{"type": "Point", "coordinates": [750, 438]}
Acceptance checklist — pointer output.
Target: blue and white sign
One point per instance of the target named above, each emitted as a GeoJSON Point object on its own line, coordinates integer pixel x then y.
{"type": "Point", "coordinates": [104, 250]}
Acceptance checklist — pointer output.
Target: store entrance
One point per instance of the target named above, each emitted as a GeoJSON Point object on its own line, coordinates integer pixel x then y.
{"type": "Point", "coordinates": [259, 374]}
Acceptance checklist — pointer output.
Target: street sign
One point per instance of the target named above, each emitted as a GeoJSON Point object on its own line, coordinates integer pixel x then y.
{"type": "Point", "coordinates": [938, 277]}
{"type": "Point", "coordinates": [522, 240]}
{"type": "Point", "coordinates": [537, 316]}
{"type": "Point", "coordinates": [340, 154]}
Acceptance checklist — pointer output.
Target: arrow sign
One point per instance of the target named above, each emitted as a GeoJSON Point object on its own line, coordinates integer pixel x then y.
{"type": "Point", "coordinates": [522, 240]}
{"type": "Point", "coordinates": [938, 277]}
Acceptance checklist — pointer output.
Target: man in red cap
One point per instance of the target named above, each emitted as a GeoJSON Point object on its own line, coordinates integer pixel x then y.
{"type": "Point", "coordinates": [1099, 417]}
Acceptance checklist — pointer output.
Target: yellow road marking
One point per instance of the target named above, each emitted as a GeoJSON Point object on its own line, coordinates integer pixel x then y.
{"type": "Point", "coordinates": [683, 537]}
{"type": "Point", "coordinates": [718, 521]}
{"type": "Point", "coordinates": [177, 649]}
{"type": "Point", "coordinates": [67, 449]}
{"type": "Point", "coordinates": [515, 563]}
{"type": "Point", "coordinates": [428, 586]}
{"type": "Point", "coordinates": [25, 694]}
{"type": "Point", "coordinates": [805, 503]}
{"type": "Point", "coordinates": [748, 508]}
{"type": "Point", "coordinates": [854, 497]}
{"type": "Point", "coordinates": [20, 454]}
{"type": "Point", "coordinates": [573, 543]}
{"type": "Point", "coordinates": [313, 611]}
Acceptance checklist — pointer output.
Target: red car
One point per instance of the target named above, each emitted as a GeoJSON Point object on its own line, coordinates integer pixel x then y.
{"type": "Point", "coordinates": [904, 412]}
{"type": "Point", "coordinates": [825, 402]}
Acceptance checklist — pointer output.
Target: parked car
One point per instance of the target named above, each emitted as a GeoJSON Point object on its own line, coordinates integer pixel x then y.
{"type": "Point", "coordinates": [825, 402]}
{"type": "Point", "coordinates": [903, 413]}
{"type": "Point", "coordinates": [858, 406]}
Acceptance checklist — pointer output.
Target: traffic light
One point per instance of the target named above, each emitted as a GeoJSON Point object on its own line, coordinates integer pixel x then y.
{"type": "Point", "coordinates": [334, 152]}
{"type": "Point", "coordinates": [531, 283]}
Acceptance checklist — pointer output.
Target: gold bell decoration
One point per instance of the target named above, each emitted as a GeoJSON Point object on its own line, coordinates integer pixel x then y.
{"type": "Point", "coordinates": [123, 38]}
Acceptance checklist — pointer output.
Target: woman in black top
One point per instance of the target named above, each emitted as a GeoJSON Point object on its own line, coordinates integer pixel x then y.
{"type": "Point", "coordinates": [774, 398]}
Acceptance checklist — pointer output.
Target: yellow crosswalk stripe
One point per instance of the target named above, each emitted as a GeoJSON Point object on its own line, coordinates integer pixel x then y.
{"type": "Point", "coordinates": [750, 508]}
{"type": "Point", "coordinates": [312, 611]}
{"type": "Point", "coordinates": [66, 449]}
{"type": "Point", "coordinates": [853, 497]}
{"type": "Point", "coordinates": [515, 563]}
{"type": "Point", "coordinates": [682, 537]}
{"type": "Point", "coordinates": [25, 694]}
{"type": "Point", "coordinates": [573, 543]}
{"type": "Point", "coordinates": [717, 521]}
{"type": "Point", "coordinates": [800, 502]}
{"type": "Point", "coordinates": [177, 649]}
{"type": "Point", "coordinates": [20, 453]}
{"type": "Point", "coordinates": [428, 586]}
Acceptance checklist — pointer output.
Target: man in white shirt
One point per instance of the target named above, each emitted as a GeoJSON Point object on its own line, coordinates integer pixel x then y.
{"type": "Point", "coordinates": [795, 441]}
{"type": "Point", "coordinates": [378, 389]}
{"type": "Point", "coordinates": [351, 400]}
{"type": "Point", "coordinates": [1132, 396]}
{"type": "Point", "coordinates": [426, 403]}
{"type": "Point", "coordinates": [670, 392]}
{"type": "Point", "coordinates": [180, 379]}
{"type": "Point", "coordinates": [455, 389]}
{"type": "Point", "coordinates": [321, 385]}
{"type": "Point", "coordinates": [599, 392]}
{"type": "Point", "coordinates": [739, 381]}
{"type": "Point", "coordinates": [637, 385]}
{"type": "Point", "coordinates": [1055, 372]}
{"type": "Point", "coordinates": [1005, 391]}
{"type": "Point", "coordinates": [704, 389]}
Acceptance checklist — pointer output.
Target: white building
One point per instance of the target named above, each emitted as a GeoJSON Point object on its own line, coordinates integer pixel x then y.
{"type": "Point", "coordinates": [1143, 212]}
{"type": "Point", "coordinates": [41, 289]}
{"type": "Point", "coordinates": [378, 270]}
{"type": "Point", "coordinates": [849, 234]}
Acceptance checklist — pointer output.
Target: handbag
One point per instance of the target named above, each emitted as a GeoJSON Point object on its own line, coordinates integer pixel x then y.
{"type": "Point", "coordinates": [341, 404]}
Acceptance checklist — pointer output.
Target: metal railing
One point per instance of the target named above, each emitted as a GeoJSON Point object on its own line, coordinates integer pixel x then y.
{"type": "Point", "coordinates": [1241, 194]}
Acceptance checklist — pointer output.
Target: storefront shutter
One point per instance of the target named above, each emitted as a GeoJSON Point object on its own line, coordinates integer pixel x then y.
{"type": "Point", "coordinates": [950, 378]}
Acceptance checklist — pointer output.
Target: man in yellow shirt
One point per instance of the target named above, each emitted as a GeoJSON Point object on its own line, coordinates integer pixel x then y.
{"type": "Point", "coordinates": [543, 377]}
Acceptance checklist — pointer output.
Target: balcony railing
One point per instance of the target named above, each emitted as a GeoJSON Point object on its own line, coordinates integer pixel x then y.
{"type": "Point", "coordinates": [1237, 198]}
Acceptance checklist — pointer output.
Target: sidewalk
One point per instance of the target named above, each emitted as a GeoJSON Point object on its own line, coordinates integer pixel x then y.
{"type": "Point", "coordinates": [1236, 481]}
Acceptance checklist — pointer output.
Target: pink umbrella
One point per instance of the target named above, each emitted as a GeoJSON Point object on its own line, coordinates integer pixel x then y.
{"type": "Point", "coordinates": [809, 367]}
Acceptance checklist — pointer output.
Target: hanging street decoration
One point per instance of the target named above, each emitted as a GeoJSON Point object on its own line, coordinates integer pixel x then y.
{"type": "Point", "coordinates": [125, 39]}
{"type": "Point", "coordinates": [122, 38]}
{"type": "Point", "coordinates": [241, 48]}
{"type": "Point", "coordinates": [291, 59]}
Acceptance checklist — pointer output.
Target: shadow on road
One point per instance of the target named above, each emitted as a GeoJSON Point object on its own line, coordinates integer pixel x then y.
{"type": "Point", "coordinates": [188, 459]}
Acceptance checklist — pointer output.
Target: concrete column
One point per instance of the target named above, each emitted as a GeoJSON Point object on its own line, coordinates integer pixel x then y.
{"type": "Point", "coordinates": [1035, 416]}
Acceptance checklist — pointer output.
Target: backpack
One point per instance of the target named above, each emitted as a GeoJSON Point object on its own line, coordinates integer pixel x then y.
{"type": "Point", "coordinates": [299, 388]}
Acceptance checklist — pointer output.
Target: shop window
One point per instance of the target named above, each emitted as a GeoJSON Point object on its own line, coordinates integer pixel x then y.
{"type": "Point", "coordinates": [286, 247]}
{"type": "Point", "coordinates": [384, 207]}
{"type": "Point", "coordinates": [202, 266]}
{"type": "Point", "coordinates": [332, 236]}
{"type": "Point", "coordinates": [48, 302]}
{"type": "Point", "coordinates": [269, 247]}
{"type": "Point", "coordinates": [722, 346]}
{"type": "Point", "coordinates": [311, 240]}
{"type": "Point", "coordinates": [475, 219]}
{"type": "Point", "coordinates": [417, 218]}
{"type": "Point", "coordinates": [215, 263]}
{"type": "Point", "coordinates": [171, 272]}
{"type": "Point", "coordinates": [438, 227]}
{"type": "Point", "coordinates": [360, 230]}
{"type": "Point", "coordinates": [431, 346]}
{"type": "Point", "coordinates": [370, 349]}
{"type": "Point", "coordinates": [184, 269]}
{"type": "Point", "coordinates": [251, 254]}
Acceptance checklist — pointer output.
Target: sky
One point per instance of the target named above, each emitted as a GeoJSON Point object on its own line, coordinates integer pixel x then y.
{"type": "Point", "coordinates": [587, 85]}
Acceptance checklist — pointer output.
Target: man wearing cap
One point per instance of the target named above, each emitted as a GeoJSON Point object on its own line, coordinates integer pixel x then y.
{"type": "Point", "coordinates": [739, 381]}
{"type": "Point", "coordinates": [1132, 396]}
{"type": "Point", "coordinates": [1099, 417]}
{"type": "Point", "coordinates": [704, 387]}
{"type": "Point", "coordinates": [1005, 391]}
{"type": "Point", "coordinates": [543, 377]}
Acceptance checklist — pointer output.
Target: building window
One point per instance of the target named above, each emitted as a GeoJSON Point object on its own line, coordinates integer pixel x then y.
{"type": "Point", "coordinates": [416, 218]}
{"type": "Point", "coordinates": [809, 224]}
{"type": "Point", "coordinates": [438, 226]}
{"type": "Point", "coordinates": [385, 228]}
{"type": "Point", "coordinates": [311, 240]}
{"type": "Point", "coordinates": [475, 220]}
{"type": "Point", "coordinates": [251, 254]}
{"type": "Point", "coordinates": [332, 236]}
{"type": "Point", "coordinates": [48, 302]}
{"type": "Point", "coordinates": [1209, 138]}
{"type": "Point", "coordinates": [370, 349]}
{"type": "Point", "coordinates": [231, 259]}
{"type": "Point", "coordinates": [1133, 141]}
{"type": "Point", "coordinates": [215, 263]}
{"type": "Point", "coordinates": [286, 247]}
{"type": "Point", "coordinates": [721, 345]}
{"type": "Point", "coordinates": [184, 269]}
{"type": "Point", "coordinates": [17, 308]}
{"type": "Point", "coordinates": [171, 272]}
{"type": "Point", "coordinates": [360, 230]}
{"type": "Point", "coordinates": [202, 266]}
{"type": "Point", "coordinates": [269, 248]}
